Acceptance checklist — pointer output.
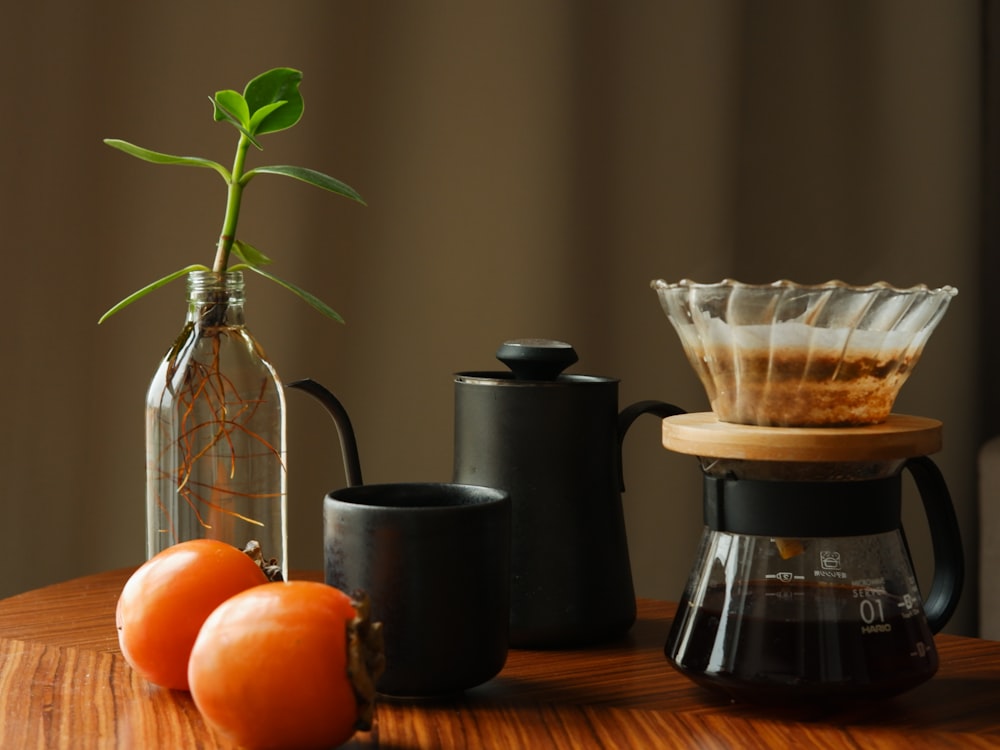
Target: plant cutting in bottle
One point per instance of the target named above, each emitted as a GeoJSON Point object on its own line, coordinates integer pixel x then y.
{"type": "Point", "coordinates": [270, 102]}
{"type": "Point", "coordinates": [215, 430]}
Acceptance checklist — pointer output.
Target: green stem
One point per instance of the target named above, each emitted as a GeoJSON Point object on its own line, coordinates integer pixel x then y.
{"type": "Point", "coordinates": [235, 194]}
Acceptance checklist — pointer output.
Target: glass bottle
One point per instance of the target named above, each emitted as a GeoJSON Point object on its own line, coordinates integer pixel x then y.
{"type": "Point", "coordinates": [215, 431]}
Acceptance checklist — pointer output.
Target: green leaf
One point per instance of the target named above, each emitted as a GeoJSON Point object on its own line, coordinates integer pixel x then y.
{"type": "Point", "coordinates": [230, 105]}
{"type": "Point", "coordinates": [261, 114]}
{"type": "Point", "coordinates": [158, 158]}
{"type": "Point", "coordinates": [149, 288]}
{"type": "Point", "coordinates": [222, 114]}
{"type": "Point", "coordinates": [249, 254]}
{"type": "Point", "coordinates": [311, 299]}
{"type": "Point", "coordinates": [276, 85]}
{"type": "Point", "coordinates": [311, 176]}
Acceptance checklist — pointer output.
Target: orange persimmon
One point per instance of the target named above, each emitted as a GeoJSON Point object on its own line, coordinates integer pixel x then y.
{"type": "Point", "coordinates": [287, 665]}
{"type": "Point", "coordinates": [164, 603]}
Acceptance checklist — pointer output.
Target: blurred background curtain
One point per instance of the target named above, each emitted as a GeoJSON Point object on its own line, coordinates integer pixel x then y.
{"type": "Point", "coordinates": [529, 167]}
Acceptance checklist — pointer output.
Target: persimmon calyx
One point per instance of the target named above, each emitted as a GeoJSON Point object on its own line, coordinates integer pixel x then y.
{"type": "Point", "coordinates": [365, 658]}
{"type": "Point", "coordinates": [270, 566]}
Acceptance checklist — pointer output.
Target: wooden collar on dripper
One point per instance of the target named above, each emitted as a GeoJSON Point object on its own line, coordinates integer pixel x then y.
{"type": "Point", "coordinates": [898, 437]}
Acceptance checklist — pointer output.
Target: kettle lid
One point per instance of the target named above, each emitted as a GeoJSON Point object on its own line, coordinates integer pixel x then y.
{"type": "Point", "coordinates": [536, 359]}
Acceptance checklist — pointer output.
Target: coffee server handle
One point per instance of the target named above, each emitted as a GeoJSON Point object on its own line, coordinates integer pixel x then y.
{"type": "Point", "coordinates": [629, 414]}
{"type": "Point", "coordinates": [946, 539]}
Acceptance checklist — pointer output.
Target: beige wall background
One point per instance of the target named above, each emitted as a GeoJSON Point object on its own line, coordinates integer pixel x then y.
{"type": "Point", "coordinates": [529, 168]}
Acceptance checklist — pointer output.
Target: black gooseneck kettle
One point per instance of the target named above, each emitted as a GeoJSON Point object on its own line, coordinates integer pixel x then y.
{"type": "Point", "coordinates": [554, 442]}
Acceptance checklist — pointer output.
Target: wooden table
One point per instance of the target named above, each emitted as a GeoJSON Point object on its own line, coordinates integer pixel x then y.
{"type": "Point", "coordinates": [64, 684]}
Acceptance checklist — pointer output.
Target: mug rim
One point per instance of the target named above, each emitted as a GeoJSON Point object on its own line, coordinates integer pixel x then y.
{"type": "Point", "coordinates": [475, 496]}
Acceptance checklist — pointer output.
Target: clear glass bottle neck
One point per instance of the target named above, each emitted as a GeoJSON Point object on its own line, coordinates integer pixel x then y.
{"type": "Point", "coordinates": [215, 299]}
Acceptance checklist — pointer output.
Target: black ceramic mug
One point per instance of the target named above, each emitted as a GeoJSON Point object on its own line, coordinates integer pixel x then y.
{"type": "Point", "coordinates": [434, 560]}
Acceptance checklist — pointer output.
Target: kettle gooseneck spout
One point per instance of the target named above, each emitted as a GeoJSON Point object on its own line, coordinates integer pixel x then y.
{"type": "Point", "coordinates": [348, 443]}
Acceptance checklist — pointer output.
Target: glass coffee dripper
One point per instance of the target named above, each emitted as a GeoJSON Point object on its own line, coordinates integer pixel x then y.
{"type": "Point", "coordinates": [799, 355]}
{"type": "Point", "coordinates": [803, 586]}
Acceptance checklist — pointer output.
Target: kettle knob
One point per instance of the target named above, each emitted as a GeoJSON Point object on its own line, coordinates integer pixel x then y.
{"type": "Point", "coordinates": [536, 359]}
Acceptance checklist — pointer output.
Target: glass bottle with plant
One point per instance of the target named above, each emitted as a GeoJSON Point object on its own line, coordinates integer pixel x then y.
{"type": "Point", "coordinates": [215, 417]}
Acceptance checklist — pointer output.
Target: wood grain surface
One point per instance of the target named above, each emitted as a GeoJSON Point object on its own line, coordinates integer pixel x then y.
{"type": "Point", "coordinates": [64, 684]}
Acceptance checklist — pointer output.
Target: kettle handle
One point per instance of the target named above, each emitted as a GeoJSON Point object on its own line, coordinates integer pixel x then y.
{"type": "Point", "coordinates": [946, 540]}
{"type": "Point", "coordinates": [348, 443]}
{"type": "Point", "coordinates": [629, 414]}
